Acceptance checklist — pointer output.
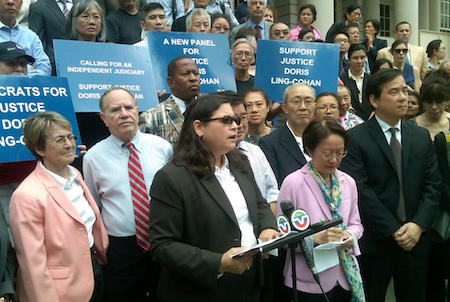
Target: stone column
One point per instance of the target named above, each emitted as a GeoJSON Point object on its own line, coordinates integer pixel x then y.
{"type": "Point", "coordinates": [371, 10]}
{"type": "Point", "coordinates": [408, 10]}
{"type": "Point", "coordinates": [434, 15]}
{"type": "Point", "coordinates": [424, 18]}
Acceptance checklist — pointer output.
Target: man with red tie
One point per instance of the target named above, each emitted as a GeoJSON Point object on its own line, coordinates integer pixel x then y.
{"type": "Point", "coordinates": [119, 171]}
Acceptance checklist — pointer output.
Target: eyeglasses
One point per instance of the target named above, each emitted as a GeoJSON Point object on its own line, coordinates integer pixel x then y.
{"type": "Point", "coordinates": [337, 155]}
{"type": "Point", "coordinates": [61, 140]}
{"type": "Point", "coordinates": [401, 50]}
{"type": "Point", "coordinates": [220, 28]}
{"type": "Point", "coordinates": [307, 102]}
{"type": "Point", "coordinates": [227, 120]}
{"type": "Point", "coordinates": [246, 54]}
{"type": "Point", "coordinates": [341, 41]}
{"type": "Point", "coordinates": [324, 108]}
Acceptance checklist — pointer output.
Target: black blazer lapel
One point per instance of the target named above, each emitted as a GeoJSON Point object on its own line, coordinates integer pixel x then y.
{"type": "Point", "coordinates": [214, 188]}
{"type": "Point", "coordinates": [54, 9]}
{"type": "Point", "coordinates": [378, 136]}
{"type": "Point", "coordinates": [288, 142]}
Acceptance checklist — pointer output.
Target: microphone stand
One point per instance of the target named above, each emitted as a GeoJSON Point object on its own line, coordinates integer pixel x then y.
{"type": "Point", "coordinates": [293, 239]}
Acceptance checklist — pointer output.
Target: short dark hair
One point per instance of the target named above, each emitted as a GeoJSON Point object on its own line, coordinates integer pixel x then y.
{"type": "Point", "coordinates": [233, 98]}
{"type": "Point", "coordinates": [172, 66]}
{"type": "Point", "coordinates": [341, 33]}
{"type": "Point", "coordinates": [303, 32]}
{"type": "Point", "coordinates": [377, 64]}
{"type": "Point", "coordinates": [190, 151]}
{"type": "Point", "coordinates": [397, 43]}
{"type": "Point", "coordinates": [328, 93]}
{"type": "Point", "coordinates": [150, 7]}
{"type": "Point", "coordinates": [220, 15]}
{"type": "Point", "coordinates": [432, 46]}
{"type": "Point", "coordinates": [350, 10]}
{"type": "Point", "coordinates": [401, 23]}
{"type": "Point", "coordinates": [320, 129]}
{"type": "Point", "coordinates": [350, 25]}
{"type": "Point", "coordinates": [435, 88]}
{"type": "Point", "coordinates": [376, 81]}
{"type": "Point", "coordinates": [312, 7]}
{"type": "Point", "coordinates": [355, 47]}
{"type": "Point", "coordinates": [376, 24]}
{"type": "Point", "coordinates": [257, 90]}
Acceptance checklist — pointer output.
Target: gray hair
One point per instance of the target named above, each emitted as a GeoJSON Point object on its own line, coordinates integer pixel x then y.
{"type": "Point", "coordinates": [197, 12]}
{"type": "Point", "coordinates": [288, 89]}
{"type": "Point", "coordinates": [77, 9]}
{"type": "Point", "coordinates": [239, 41]}
{"type": "Point", "coordinates": [248, 2]}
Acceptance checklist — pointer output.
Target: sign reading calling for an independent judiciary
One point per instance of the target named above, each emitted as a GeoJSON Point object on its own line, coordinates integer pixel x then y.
{"type": "Point", "coordinates": [210, 52]}
{"type": "Point", "coordinates": [91, 68]}
{"type": "Point", "coordinates": [23, 96]}
{"type": "Point", "coordinates": [283, 63]}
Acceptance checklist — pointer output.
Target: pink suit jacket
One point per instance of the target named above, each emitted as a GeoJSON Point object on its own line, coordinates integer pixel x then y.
{"type": "Point", "coordinates": [51, 241]}
{"type": "Point", "coordinates": [303, 191]}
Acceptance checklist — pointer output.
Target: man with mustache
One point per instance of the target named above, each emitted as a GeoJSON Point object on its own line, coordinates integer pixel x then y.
{"type": "Point", "coordinates": [119, 171]}
{"type": "Point", "coordinates": [166, 118]}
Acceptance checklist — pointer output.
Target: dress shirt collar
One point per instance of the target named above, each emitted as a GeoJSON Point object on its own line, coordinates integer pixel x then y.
{"type": "Point", "coordinates": [243, 146]}
{"type": "Point", "coordinates": [353, 77]}
{"type": "Point", "coordinates": [180, 103]}
{"type": "Point", "coordinates": [225, 167]}
{"type": "Point", "coordinates": [385, 126]}
{"type": "Point", "coordinates": [64, 183]}
{"type": "Point", "coordinates": [122, 146]}
{"type": "Point", "coordinates": [251, 24]}
{"type": "Point", "coordinates": [15, 26]}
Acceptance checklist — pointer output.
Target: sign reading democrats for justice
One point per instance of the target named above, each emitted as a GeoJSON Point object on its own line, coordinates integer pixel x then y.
{"type": "Point", "coordinates": [23, 96]}
{"type": "Point", "coordinates": [210, 52]}
{"type": "Point", "coordinates": [92, 68]}
{"type": "Point", "coordinates": [282, 63]}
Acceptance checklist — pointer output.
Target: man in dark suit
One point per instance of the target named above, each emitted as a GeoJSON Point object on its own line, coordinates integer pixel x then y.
{"type": "Point", "coordinates": [396, 172]}
{"type": "Point", "coordinates": [47, 20]}
{"type": "Point", "coordinates": [284, 147]}
{"type": "Point", "coordinates": [256, 12]}
{"type": "Point", "coordinates": [355, 79]}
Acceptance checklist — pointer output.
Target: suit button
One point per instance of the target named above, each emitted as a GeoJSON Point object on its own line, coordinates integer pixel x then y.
{"type": "Point", "coordinates": [236, 240]}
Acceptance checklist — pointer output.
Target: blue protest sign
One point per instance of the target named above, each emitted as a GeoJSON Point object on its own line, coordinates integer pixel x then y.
{"type": "Point", "coordinates": [91, 68]}
{"type": "Point", "coordinates": [280, 64]}
{"type": "Point", "coordinates": [210, 52]}
{"type": "Point", "coordinates": [23, 96]}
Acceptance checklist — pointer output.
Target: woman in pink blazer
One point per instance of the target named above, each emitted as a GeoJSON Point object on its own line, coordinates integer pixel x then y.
{"type": "Point", "coordinates": [54, 220]}
{"type": "Point", "coordinates": [325, 193]}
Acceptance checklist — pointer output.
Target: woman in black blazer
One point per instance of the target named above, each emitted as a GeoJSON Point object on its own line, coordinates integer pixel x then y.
{"type": "Point", "coordinates": [205, 206]}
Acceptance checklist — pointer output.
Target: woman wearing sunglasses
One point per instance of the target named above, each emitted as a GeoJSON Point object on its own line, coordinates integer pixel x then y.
{"type": "Point", "coordinates": [206, 206]}
{"type": "Point", "coordinates": [399, 51]}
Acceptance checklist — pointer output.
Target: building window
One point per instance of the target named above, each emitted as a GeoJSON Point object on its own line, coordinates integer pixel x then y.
{"type": "Point", "coordinates": [445, 15]}
{"type": "Point", "coordinates": [385, 20]}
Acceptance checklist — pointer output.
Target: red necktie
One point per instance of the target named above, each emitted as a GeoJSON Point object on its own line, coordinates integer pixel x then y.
{"type": "Point", "coordinates": [141, 202]}
{"type": "Point", "coordinates": [258, 31]}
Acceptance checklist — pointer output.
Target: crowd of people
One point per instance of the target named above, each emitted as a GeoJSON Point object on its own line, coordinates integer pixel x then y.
{"type": "Point", "coordinates": [167, 197]}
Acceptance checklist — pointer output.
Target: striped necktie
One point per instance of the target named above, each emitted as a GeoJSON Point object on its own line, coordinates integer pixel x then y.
{"type": "Point", "coordinates": [141, 202]}
{"type": "Point", "coordinates": [65, 8]}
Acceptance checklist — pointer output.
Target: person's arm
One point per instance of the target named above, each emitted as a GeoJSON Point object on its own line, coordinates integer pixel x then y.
{"type": "Point", "coordinates": [270, 183]}
{"type": "Point", "coordinates": [89, 178]}
{"type": "Point", "coordinates": [229, 13]}
{"type": "Point", "coordinates": [377, 217]}
{"type": "Point", "coordinates": [27, 227]}
{"type": "Point", "coordinates": [424, 67]}
{"type": "Point", "coordinates": [417, 81]}
{"type": "Point", "coordinates": [270, 154]}
{"type": "Point", "coordinates": [42, 63]}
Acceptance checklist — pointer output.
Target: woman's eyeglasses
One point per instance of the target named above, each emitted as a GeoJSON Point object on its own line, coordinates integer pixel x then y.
{"type": "Point", "coordinates": [227, 120]}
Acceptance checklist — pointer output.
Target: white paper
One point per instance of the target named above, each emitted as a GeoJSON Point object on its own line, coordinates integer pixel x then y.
{"type": "Point", "coordinates": [325, 255]}
{"type": "Point", "coordinates": [259, 246]}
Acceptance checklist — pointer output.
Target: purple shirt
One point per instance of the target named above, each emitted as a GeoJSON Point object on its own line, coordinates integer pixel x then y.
{"type": "Point", "coordinates": [295, 31]}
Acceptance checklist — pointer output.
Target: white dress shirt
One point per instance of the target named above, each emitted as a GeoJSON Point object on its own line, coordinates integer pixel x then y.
{"type": "Point", "coordinates": [265, 179]}
{"type": "Point", "coordinates": [299, 141]}
{"type": "Point", "coordinates": [75, 194]}
{"type": "Point", "coordinates": [385, 128]}
{"type": "Point", "coordinates": [359, 83]}
{"type": "Point", "coordinates": [180, 103]}
{"type": "Point", "coordinates": [238, 203]}
{"type": "Point", "coordinates": [69, 5]}
{"type": "Point", "coordinates": [105, 168]}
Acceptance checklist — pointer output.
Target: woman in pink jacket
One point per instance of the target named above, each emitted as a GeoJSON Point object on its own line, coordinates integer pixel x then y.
{"type": "Point", "coordinates": [326, 193]}
{"type": "Point", "coordinates": [56, 225]}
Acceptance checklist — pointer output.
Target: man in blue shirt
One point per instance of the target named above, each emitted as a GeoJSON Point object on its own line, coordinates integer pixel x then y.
{"type": "Point", "coordinates": [10, 30]}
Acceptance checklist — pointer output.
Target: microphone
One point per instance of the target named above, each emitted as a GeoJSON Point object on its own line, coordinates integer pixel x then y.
{"type": "Point", "coordinates": [299, 220]}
